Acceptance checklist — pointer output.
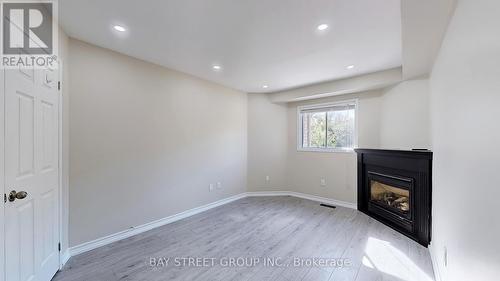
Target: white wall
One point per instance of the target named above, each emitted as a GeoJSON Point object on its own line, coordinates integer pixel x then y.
{"type": "Point", "coordinates": [393, 118]}
{"type": "Point", "coordinates": [146, 142]}
{"type": "Point", "coordinates": [272, 143]}
{"type": "Point", "coordinates": [2, 170]}
{"type": "Point", "coordinates": [465, 99]}
{"type": "Point", "coordinates": [306, 169]}
{"type": "Point", "coordinates": [267, 144]}
{"type": "Point", "coordinates": [404, 120]}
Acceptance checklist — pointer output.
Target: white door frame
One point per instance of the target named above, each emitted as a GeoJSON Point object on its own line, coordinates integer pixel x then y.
{"type": "Point", "coordinates": [2, 171]}
{"type": "Point", "coordinates": [61, 163]}
{"type": "Point", "coordinates": [2, 177]}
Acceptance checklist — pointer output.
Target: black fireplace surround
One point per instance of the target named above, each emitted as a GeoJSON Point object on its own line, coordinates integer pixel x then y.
{"type": "Point", "coordinates": [394, 187]}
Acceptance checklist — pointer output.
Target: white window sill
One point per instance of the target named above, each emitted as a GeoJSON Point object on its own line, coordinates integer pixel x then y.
{"type": "Point", "coordinates": [326, 150]}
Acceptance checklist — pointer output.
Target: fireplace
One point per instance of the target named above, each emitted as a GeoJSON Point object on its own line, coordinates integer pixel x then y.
{"type": "Point", "coordinates": [394, 187]}
{"type": "Point", "coordinates": [391, 196]}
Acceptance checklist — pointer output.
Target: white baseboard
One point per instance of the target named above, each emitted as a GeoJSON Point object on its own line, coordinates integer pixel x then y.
{"type": "Point", "coordinates": [435, 265]}
{"type": "Point", "coordinates": [65, 257]}
{"type": "Point", "coordinates": [87, 246]}
{"type": "Point", "coordinates": [325, 200]}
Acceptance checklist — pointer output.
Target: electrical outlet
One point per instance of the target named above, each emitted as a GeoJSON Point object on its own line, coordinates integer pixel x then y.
{"type": "Point", "coordinates": [323, 182]}
{"type": "Point", "coordinates": [219, 185]}
{"type": "Point", "coordinates": [268, 179]}
{"type": "Point", "coordinates": [445, 257]}
{"type": "Point", "coordinates": [211, 187]}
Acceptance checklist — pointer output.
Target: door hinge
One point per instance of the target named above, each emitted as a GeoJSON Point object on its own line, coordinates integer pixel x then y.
{"type": "Point", "coordinates": [5, 198]}
{"type": "Point", "coordinates": [59, 246]}
{"type": "Point", "coordinates": [59, 85]}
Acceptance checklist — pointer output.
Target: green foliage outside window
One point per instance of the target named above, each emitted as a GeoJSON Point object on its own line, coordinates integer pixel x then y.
{"type": "Point", "coordinates": [328, 129]}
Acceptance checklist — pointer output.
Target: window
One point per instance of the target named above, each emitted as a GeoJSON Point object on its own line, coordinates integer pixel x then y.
{"type": "Point", "coordinates": [327, 127]}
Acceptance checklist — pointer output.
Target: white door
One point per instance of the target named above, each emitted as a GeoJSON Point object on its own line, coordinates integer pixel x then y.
{"type": "Point", "coordinates": [31, 170]}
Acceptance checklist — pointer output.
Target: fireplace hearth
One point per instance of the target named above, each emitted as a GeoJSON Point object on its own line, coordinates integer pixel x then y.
{"type": "Point", "coordinates": [394, 187]}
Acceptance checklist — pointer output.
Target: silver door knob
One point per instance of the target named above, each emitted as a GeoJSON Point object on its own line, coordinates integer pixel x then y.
{"type": "Point", "coordinates": [13, 195]}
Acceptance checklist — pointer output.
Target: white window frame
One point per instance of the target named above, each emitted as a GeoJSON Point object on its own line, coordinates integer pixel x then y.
{"type": "Point", "coordinates": [323, 105]}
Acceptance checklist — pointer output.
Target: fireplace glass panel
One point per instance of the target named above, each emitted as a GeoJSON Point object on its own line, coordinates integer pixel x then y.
{"type": "Point", "coordinates": [391, 196]}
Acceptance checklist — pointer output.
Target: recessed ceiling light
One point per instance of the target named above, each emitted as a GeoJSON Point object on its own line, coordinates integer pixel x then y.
{"type": "Point", "coordinates": [265, 86]}
{"type": "Point", "coordinates": [322, 27]}
{"type": "Point", "coordinates": [350, 66]}
{"type": "Point", "coordinates": [217, 67]}
{"type": "Point", "coordinates": [119, 28]}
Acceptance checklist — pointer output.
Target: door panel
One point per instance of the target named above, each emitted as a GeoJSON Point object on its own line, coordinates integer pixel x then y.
{"type": "Point", "coordinates": [26, 137]}
{"type": "Point", "coordinates": [49, 226]}
{"type": "Point", "coordinates": [31, 158]}
{"type": "Point", "coordinates": [26, 222]}
{"type": "Point", "coordinates": [48, 119]}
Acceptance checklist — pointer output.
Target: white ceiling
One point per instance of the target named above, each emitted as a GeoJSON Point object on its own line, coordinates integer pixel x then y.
{"type": "Point", "coordinates": [257, 42]}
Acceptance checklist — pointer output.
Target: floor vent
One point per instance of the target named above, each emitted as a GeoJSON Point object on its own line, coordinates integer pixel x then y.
{"type": "Point", "coordinates": [328, 206]}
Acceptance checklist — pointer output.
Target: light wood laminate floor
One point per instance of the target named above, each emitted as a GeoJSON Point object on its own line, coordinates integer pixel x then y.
{"type": "Point", "coordinates": [281, 229]}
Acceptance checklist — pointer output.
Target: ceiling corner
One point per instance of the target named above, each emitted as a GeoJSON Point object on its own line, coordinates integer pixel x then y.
{"type": "Point", "coordinates": [424, 25]}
